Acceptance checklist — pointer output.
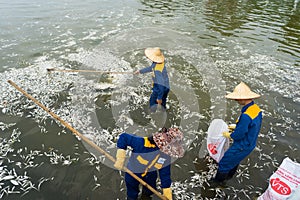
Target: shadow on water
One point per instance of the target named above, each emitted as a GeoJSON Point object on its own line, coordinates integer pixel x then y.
{"type": "Point", "coordinates": [104, 113]}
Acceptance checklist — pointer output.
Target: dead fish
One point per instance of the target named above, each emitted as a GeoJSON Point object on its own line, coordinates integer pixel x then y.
{"type": "Point", "coordinates": [14, 182]}
{"type": "Point", "coordinates": [7, 177]}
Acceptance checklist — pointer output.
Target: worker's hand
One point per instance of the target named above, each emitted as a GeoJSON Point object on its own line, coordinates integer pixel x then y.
{"type": "Point", "coordinates": [226, 134]}
{"type": "Point", "coordinates": [167, 192]}
{"type": "Point", "coordinates": [120, 159]}
{"type": "Point", "coordinates": [136, 72]}
{"type": "Point", "coordinates": [231, 127]}
{"type": "Point", "coordinates": [159, 101]}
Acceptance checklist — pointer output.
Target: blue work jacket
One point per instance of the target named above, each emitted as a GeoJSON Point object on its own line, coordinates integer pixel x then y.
{"type": "Point", "coordinates": [160, 77]}
{"type": "Point", "coordinates": [247, 128]}
{"type": "Point", "coordinates": [146, 157]}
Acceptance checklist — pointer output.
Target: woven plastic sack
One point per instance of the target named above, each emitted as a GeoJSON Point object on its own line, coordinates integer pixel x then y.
{"type": "Point", "coordinates": [284, 184]}
{"type": "Point", "coordinates": [217, 144]}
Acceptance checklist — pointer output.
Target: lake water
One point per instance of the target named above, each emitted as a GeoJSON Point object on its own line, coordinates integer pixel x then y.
{"type": "Point", "coordinates": [210, 46]}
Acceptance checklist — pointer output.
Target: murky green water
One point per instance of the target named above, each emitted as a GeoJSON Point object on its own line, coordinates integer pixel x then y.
{"type": "Point", "coordinates": [210, 47]}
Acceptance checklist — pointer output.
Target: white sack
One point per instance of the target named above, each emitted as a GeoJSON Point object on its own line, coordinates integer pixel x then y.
{"type": "Point", "coordinates": [284, 184]}
{"type": "Point", "coordinates": [217, 144]}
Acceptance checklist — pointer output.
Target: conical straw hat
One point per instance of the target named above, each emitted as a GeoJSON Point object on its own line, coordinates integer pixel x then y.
{"type": "Point", "coordinates": [242, 91]}
{"type": "Point", "coordinates": [155, 54]}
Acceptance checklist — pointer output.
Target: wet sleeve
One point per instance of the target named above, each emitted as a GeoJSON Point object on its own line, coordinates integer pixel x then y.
{"type": "Point", "coordinates": [165, 176]}
{"type": "Point", "coordinates": [241, 127]}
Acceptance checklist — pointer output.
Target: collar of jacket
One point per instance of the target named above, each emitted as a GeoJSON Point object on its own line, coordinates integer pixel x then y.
{"type": "Point", "coordinates": [247, 106]}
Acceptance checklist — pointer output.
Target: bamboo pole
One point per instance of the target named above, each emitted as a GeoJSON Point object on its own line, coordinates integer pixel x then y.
{"type": "Point", "coordinates": [88, 71]}
{"type": "Point", "coordinates": [86, 139]}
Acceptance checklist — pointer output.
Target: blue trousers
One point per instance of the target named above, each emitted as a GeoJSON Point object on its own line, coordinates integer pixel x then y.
{"type": "Point", "coordinates": [232, 158]}
{"type": "Point", "coordinates": [132, 184]}
{"type": "Point", "coordinates": [153, 98]}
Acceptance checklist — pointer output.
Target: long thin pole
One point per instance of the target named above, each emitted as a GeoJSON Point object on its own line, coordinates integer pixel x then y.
{"type": "Point", "coordinates": [86, 139]}
{"type": "Point", "coordinates": [88, 71]}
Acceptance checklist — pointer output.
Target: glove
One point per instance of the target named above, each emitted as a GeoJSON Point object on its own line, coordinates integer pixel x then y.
{"type": "Point", "coordinates": [167, 192]}
{"type": "Point", "coordinates": [231, 127]}
{"type": "Point", "coordinates": [226, 134]}
{"type": "Point", "coordinates": [159, 101]}
{"type": "Point", "coordinates": [120, 159]}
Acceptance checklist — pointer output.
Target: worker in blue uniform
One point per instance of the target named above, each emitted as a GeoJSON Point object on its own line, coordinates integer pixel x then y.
{"type": "Point", "coordinates": [244, 135]}
{"type": "Point", "coordinates": [160, 78]}
{"type": "Point", "coordinates": [149, 155]}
